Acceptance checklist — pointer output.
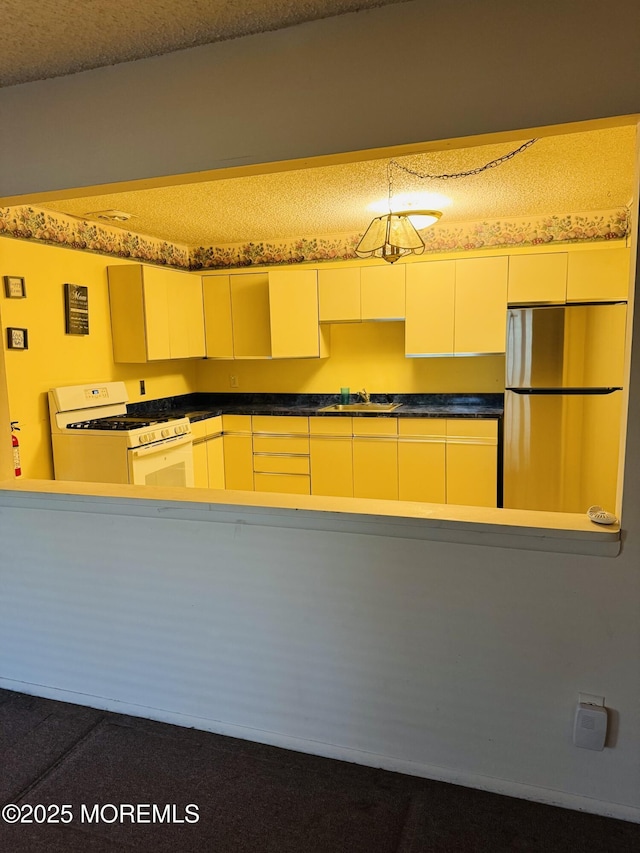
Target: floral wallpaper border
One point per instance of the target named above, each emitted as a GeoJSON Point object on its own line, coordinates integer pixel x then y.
{"type": "Point", "coordinates": [458, 237]}
{"type": "Point", "coordinates": [59, 229]}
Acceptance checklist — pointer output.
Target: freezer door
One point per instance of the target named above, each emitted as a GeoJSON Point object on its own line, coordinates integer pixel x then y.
{"type": "Point", "coordinates": [561, 451]}
{"type": "Point", "coordinates": [568, 346]}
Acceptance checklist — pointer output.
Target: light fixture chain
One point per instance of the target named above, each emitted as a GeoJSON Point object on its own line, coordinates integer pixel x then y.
{"type": "Point", "coordinates": [491, 165]}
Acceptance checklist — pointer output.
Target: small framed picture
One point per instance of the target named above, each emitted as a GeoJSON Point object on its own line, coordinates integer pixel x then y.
{"type": "Point", "coordinates": [76, 309]}
{"type": "Point", "coordinates": [14, 287]}
{"type": "Point", "coordinates": [17, 338]}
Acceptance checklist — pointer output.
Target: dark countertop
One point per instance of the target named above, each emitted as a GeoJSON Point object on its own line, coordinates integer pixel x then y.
{"type": "Point", "coordinates": [201, 405]}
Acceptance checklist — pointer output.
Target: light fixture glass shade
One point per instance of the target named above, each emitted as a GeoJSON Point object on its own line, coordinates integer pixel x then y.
{"type": "Point", "coordinates": [392, 236]}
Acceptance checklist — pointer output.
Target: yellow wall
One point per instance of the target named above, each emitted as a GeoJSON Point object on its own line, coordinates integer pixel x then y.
{"type": "Point", "coordinates": [369, 355]}
{"type": "Point", "coordinates": [55, 358]}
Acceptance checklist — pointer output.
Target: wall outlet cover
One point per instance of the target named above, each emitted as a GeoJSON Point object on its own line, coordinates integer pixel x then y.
{"type": "Point", "coordinates": [590, 726]}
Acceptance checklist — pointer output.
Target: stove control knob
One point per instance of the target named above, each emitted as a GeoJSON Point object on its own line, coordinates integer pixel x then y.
{"type": "Point", "coordinates": [165, 433]}
{"type": "Point", "coordinates": [177, 430]}
{"type": "Point", "coordinates": [141, 439]}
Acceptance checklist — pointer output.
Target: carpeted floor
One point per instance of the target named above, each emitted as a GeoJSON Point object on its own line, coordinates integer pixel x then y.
{"type": "Point", "coordinates": [250, 798]}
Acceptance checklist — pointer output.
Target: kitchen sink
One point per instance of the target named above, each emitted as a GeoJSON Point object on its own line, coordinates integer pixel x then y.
{"type": "Point", "coordinates": [361, 407]}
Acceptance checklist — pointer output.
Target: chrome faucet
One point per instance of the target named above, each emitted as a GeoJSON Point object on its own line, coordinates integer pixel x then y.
{"type": "Point", "coordinates": [364, 395]}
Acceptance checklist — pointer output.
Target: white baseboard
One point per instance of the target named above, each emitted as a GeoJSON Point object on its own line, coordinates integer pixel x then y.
{"type": "Point", "coordinates": [506, 787]}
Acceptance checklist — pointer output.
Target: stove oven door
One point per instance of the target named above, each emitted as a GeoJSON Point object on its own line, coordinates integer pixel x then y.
{"type": "Point", "coordinates": [167, 463]}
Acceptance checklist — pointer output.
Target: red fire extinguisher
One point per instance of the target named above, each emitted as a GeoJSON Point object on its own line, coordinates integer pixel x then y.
{"type": "Point", "coordinates": [17, 470]}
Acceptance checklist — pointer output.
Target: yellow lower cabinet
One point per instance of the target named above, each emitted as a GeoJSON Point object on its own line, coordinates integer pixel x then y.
{"type": "Point", "coordinates": [238, 452]}
{"type": "Point", "coordinates": [375, 458]}
{"type": "Point", "coordinates": [472, 462]}
{"type": "Point", "coordinates": [200, 467]}
{"type": "Point", "coordinates": [280, 424]}
{"type": "Point", "coordinates": [291, 484]}
{"type": "Point", "coordinates": [281, 454]}
{"type": "Point", "coordinates": [331, 448]}
{"type": "Point", "coordinates": [215, 462]}
{"type": "Point", "coordinates": [273, 463]}
{"type": "Point", "coordinates": [238, 462]}
{"type": "Point", "coordinates": [421, 459]}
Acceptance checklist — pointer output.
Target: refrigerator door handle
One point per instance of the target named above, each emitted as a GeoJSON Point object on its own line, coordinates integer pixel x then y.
{"type": "Point", "coordinates": [562, 391]}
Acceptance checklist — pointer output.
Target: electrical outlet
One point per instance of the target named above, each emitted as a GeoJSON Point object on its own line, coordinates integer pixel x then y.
{"type": "Point", "coordinates": [233, 381]}
{"type": "Point", "coordinates": [143, 390]}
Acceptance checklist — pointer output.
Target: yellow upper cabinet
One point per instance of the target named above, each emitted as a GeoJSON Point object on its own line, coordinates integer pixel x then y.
{"type": "Point", "coordinates": [216, 291]}
{"type": "Point", "coordinates": [382, 292]}
{"type": "Point", "coordinates": [339, 295]}
{"type": "Point", "coordinates": [598, 275]}
{"type": "Point", "coordinates": [236, 313]}
{"type": "Point", "coordinates": [293, 308]}
{"type": "Point", "coordinates": [186, 316]}
{"type": "Point", "coordinates": [430, 289]}
{"type": "Point", "coordinates": [480, 306]}
{"type": "Point", "coordinates": [270, 314]}
{"type": "Point", "coordinates": [250, 315]}
{"type": "Point", "coordinates": [537, 279]}
{"type": "Point", "coordinates": [156, 313]}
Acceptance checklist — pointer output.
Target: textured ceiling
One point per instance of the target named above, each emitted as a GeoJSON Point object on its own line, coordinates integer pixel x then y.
{"type": "Point", "coordinates": [570, 173]}
{"type": "Point", "coordinates": [49, 38]}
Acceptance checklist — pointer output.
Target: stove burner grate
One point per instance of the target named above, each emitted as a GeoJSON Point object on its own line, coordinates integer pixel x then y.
{"type": "Point", "coordinates": [125, 422]}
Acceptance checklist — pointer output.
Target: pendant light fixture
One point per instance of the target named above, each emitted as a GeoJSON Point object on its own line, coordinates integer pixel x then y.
{"type": "Point", "coordinates": [393, 235]}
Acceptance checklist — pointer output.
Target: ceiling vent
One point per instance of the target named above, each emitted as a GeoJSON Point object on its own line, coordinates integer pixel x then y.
{"type": "Point", "coordinates": [115, 217]}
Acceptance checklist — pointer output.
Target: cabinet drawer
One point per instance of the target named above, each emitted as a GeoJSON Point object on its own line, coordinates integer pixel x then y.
{"type": "Point", "coordinates": [199, 430]}
{"type": "Point", "coordinates": [422, 428]}
{"type": "Point", "coordinates": [469, 430]}
{"type": "Point", "coordinates": [291, 484]}
{"type": "Point", "coordinates": [210, 426]}
{"type": "Point", "coordinates": [281, 444]}
{"type": "Point", "coordinates": [280, 464]}
{"type": "Point", "coordinates": [236, 423]}
{"type": "Point", "coordinates": [375, 426]}
{"type": "Point", "coordinates": [280, 424]}
{"type": "Point", "coordinates": [330, 426]}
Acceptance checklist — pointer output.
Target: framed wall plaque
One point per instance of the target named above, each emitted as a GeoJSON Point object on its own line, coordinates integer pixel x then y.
{"type": "Point", "coordinates": [76, 309]}
{"type": "Point", "coordinates": [17, 338]}
{"type": "Point", "coordinates": [14, 287]}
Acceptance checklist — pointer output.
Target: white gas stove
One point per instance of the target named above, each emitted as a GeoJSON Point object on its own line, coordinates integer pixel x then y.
{"type": "Point", "coordinates": [95, 440]}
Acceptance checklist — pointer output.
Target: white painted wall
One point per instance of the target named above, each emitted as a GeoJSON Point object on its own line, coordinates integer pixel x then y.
{"type": "Point", "coordinates": [412, 72]}
{"type": "Point", "coordinates": [449, 660]}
